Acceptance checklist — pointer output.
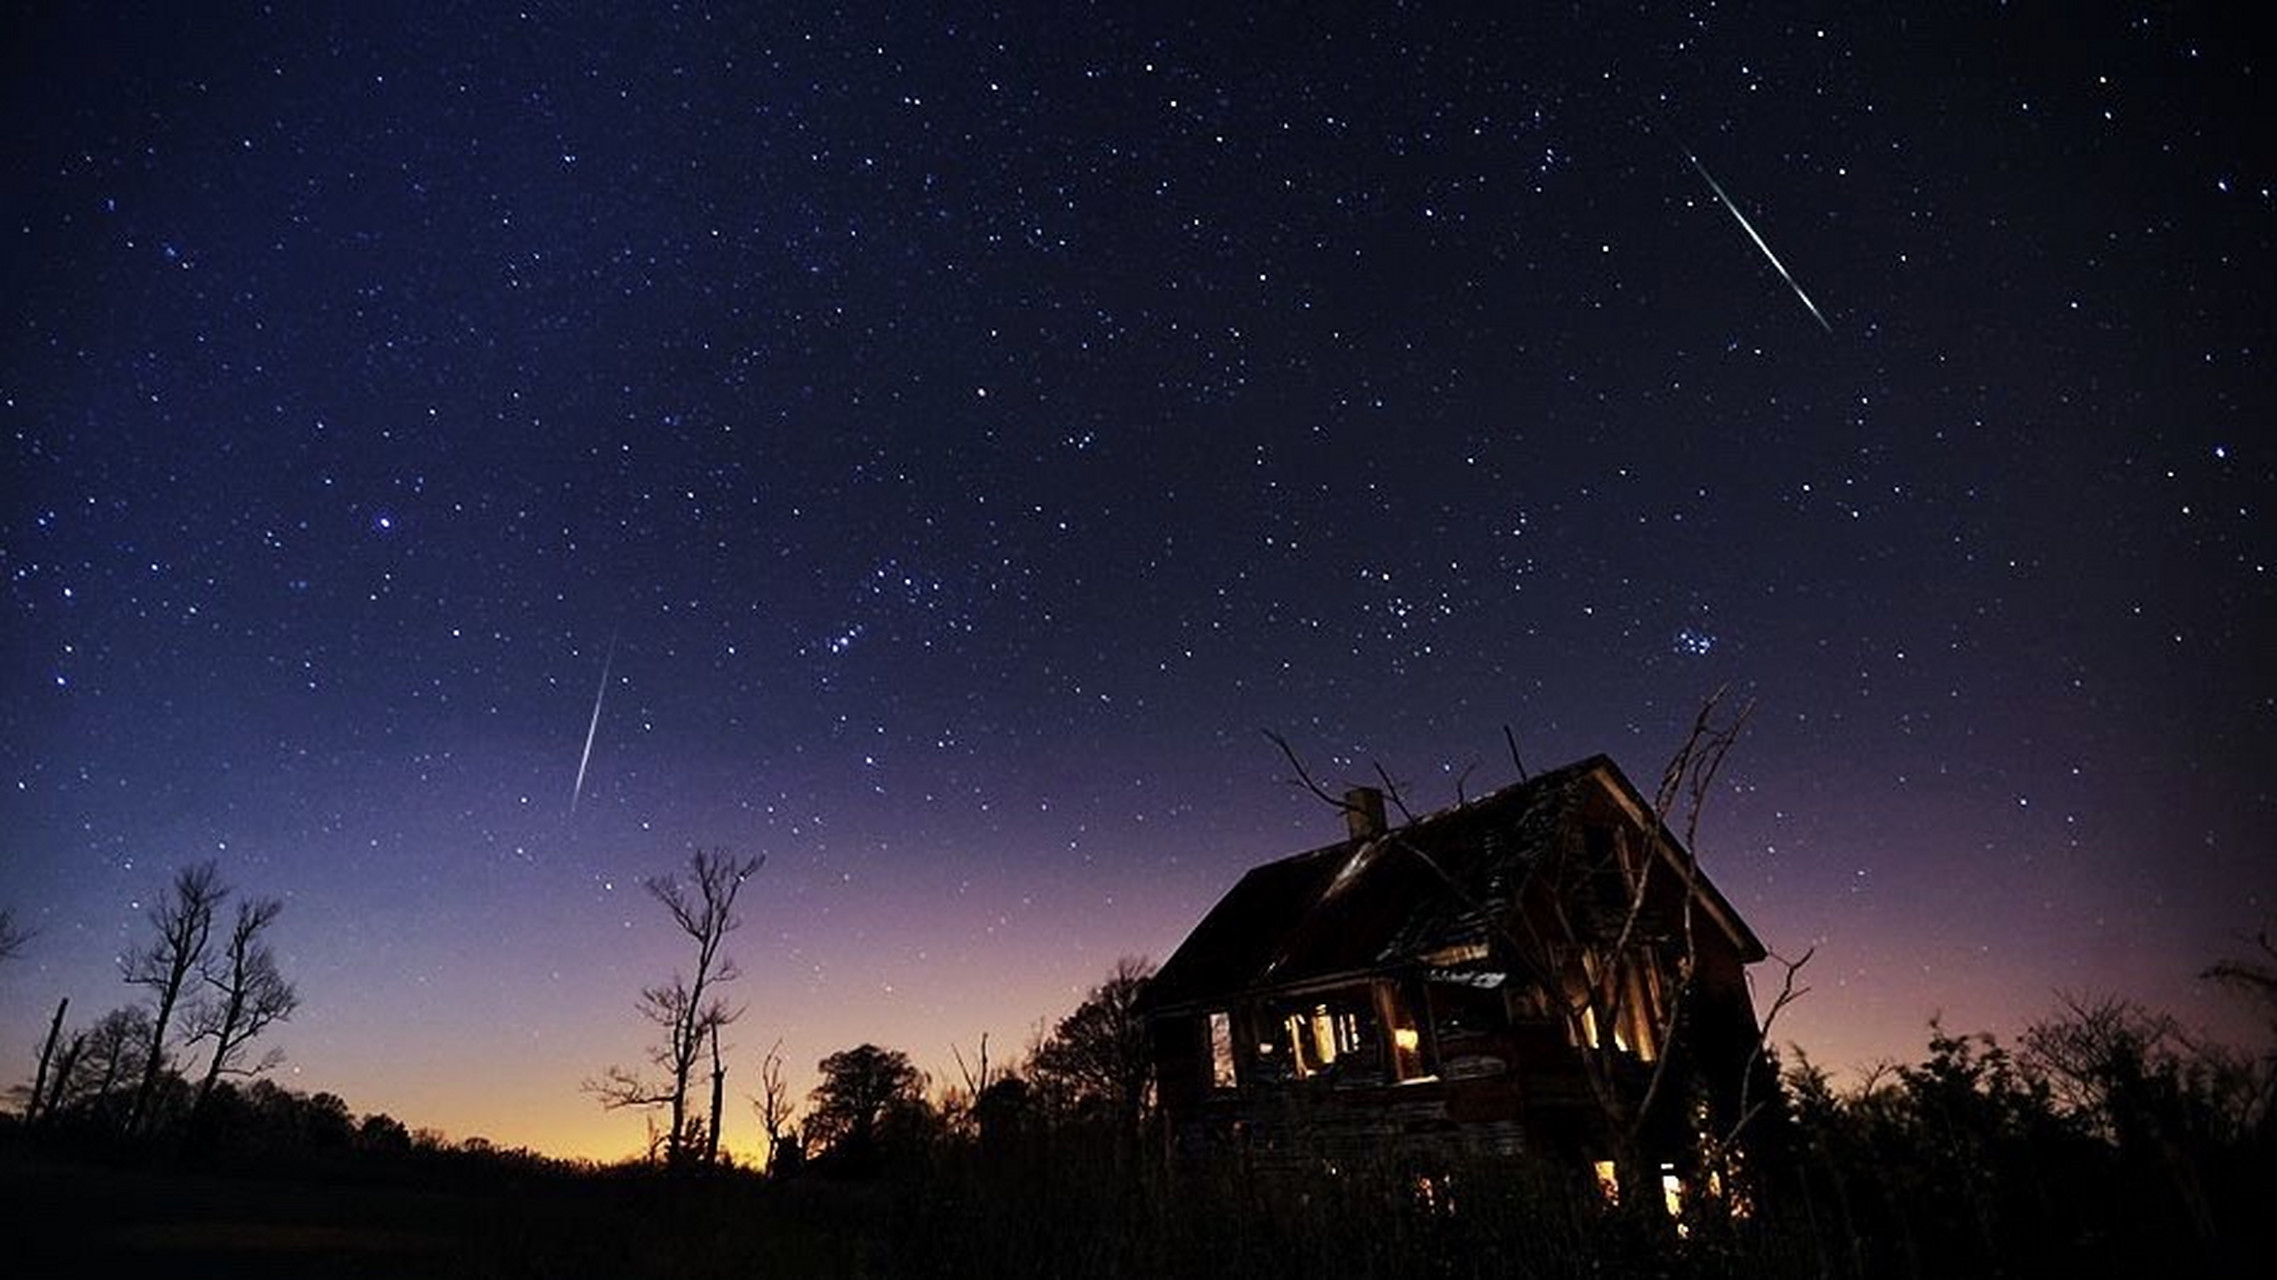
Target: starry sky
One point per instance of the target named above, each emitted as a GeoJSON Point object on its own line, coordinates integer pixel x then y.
{"type": "Point", "coordinates": [946, 439]}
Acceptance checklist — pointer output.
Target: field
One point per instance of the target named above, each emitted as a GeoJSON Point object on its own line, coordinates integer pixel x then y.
{"type": "Point", "coordinates": [77, 1218]}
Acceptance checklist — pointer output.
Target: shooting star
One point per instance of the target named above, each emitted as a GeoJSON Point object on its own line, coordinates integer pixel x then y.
{"type": "Point", "coordinates": [1749, 228]}
{"type": "Point", "coordinates": [577, 791]}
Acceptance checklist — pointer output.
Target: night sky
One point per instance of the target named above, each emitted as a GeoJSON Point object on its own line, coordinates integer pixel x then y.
{"type": "Point", "coordinates": [957, 436]}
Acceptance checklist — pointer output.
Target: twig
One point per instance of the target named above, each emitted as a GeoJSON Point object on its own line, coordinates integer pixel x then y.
{"type": "Point", "coordinates": [1392, 790]}
{"type": "Point", "coordinates": [1511, 740]}
{"type": "Point", "coordinates": [1304, 776]}
{"type": "Point", "coordinates": [1788, 994]}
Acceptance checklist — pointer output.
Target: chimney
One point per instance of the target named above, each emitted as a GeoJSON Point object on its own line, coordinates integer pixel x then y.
{"type": "Point", "coordinates": [1364, 813]}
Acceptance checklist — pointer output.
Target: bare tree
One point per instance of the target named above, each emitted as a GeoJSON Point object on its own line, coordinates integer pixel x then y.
{"type": "Point", "coordinates": [956, 1100]}
{"type": "Point", "coordinates": [98, 1062]}
{"type": "Point", "coordinates": [977, 1074]}
{"type": "Point", "coordinates": [47, 1059]}
{"type": "Point", "coordinates": [2256, 976]}
{"type": "Point", "coordinates": [688, 1008]}
{"type": "Point", "coordinates": [1759, 1061]}
{"type": "Point", "coordinates": [1624, 944]}
{"type": "Point", "coordinates": [775, 1109]}
{"type": "Point", "coordinates": [2135, 1077]}
{"type": "Point", "coordinates": [1609, 935]}
{"type": "Point", "coordinates": [184, 920]}
{"type": "Point", "coordinates": [719, 1093]}
{"type": "Point", "coordinates": [245, 993]}
{"type": "Point", "coordinates": [89, 1067]}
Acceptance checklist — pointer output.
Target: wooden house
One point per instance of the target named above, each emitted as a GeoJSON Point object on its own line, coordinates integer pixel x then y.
{"type": "Point", "coordinates": [1541, 970]}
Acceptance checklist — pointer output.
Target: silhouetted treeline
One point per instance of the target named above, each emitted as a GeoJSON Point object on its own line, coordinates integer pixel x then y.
{"type": "Point", "coordinates": [2103, 1142]}
{"type": "Point", "coordinates": [211, 987]}
{"type": "Point", "coordinates": [259, 1127]}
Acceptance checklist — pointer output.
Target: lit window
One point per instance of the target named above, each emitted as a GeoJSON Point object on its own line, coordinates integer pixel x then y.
{"type": "Point", "coordinates": [1221, 1050]}
{"type": "Point", "coordinates": [1671, 1188]}
{"type": "Point", "coordinates": [1318, 1038]}
{"type": "Point", "coordinates": [1407, 1053]}
{"type": "Point", "coordinates": [1338, 1034]}
{"type": "Point", "coordinates": [1635, 1011]}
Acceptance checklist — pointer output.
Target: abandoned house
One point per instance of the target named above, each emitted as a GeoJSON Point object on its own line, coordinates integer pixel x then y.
{"type": "Point", "coordinates": [1542, 970]}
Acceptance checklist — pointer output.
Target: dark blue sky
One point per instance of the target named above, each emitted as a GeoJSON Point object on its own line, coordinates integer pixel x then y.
{"type": "Point", "coordinates": [967, 430]}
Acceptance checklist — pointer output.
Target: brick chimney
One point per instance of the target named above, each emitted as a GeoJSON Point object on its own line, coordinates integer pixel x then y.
{"type": "Point", "coordinates": [1364, 813]}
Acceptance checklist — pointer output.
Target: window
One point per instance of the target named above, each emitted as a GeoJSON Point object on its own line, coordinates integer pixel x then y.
{"type": "Point", "coordinates": [1221, 1050]}
{"type": "Point", "coordinates": [1645, 1010]}
{"type": "Point", "coordinates": [1608, 1180]}
{"type": "Point", "coordinates": [1398, 1012]}
{"type": "Point", "coordinates": [1671, 1189]}
{"type": "Point", "coordinates": [1333, 1034]}
{"type": "Point", "coordinates": [1407, 1053]}
{"type": "Point", "coordinates": [1465, 1010]}
{"type": "Point", "coordinates": [1360, 1036]}
{"type": "Point", "coordinates": [1635, 1000]}
{"type": "Point", "coordinates": [1318, 1037]}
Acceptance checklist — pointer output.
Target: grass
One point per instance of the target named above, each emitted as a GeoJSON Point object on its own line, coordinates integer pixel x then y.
{"type": "Point", "coordinates": [1044, 1211]}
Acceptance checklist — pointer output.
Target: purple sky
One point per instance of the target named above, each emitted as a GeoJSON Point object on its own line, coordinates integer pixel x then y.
{"type": "Point", "coordinates": [969, 431]}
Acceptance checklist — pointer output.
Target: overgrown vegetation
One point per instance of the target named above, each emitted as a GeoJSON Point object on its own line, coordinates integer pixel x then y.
{"type": "Point", "coordinates": [2105, 1141]}
{"type": "Point", "coordinates": [2108, 1143]}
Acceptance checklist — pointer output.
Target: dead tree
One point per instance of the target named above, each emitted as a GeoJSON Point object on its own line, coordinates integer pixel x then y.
{"type": "Point", "coordinates": [976, 1078]}
{"type": "Point", "coordinates": [98, 1062]}
{"type": "Point", "coordinates": [1608, 935]}
{"type": "Point", "coordinates": [47, 1055]}
{"type": "Point", "coordinates": [2254, 976]}
{"type": "Point", "coordinates": [1647, 946]}
{"type": "Point", "coordinates": [719, 1089]}
{"type": "Point", "coordinates": [775, 1111]}
{"type": "Point", "coordinates": [245, 994]}
{"type": "Point", "coordinates": [689, 1009]}
{"type": "Point", "coordinates": [184, 920]}
{"type": "Point", "coordinates": [66, 1070]}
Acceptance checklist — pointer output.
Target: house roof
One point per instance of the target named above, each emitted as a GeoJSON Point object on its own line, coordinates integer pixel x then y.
{"type": "Point", "coordinates": [1364, 904]}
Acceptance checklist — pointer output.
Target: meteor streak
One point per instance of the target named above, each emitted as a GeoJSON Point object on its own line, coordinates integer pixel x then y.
{"type": "Point", "coordinates": [592, 727]}
{"type": "Point", "coordinates": [1749, 228]}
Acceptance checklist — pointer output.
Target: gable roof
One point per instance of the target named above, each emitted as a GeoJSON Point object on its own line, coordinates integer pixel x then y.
{"type": "Point", "coordinates": [1360, 904]}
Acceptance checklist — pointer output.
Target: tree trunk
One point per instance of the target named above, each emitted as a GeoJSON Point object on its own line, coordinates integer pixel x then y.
{"type": "Point", "coordinates": [1644, 1201]}
{"type": "Point", "coordinates": [47, 1051]}
{"type": "Point", "coordinates": [156, 1060]}
{"type": "Point", "coordinates": [719, 1085]}
{"type": "Point", "coordinates": [675, 1138]}
{"type": "Point", "coordinates": [64, 1066]}
{"type": "Point", "coordinates": [221, 1045]}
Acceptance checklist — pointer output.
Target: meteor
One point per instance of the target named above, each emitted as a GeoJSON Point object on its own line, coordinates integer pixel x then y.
{"type": "Point", "coordinates": [592, 727]}
{"type": "Point", "coordinates": [1752, 234]}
